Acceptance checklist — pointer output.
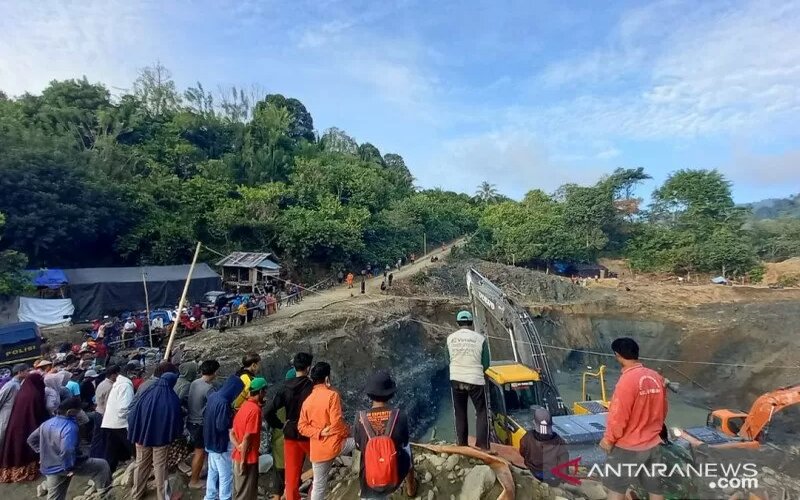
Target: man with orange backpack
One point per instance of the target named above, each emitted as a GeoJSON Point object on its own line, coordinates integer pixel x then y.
{"type": "Point", "coordinates": [381, 433]}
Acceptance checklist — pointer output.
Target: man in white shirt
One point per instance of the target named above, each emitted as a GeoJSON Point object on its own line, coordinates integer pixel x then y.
{"type": "Point", "coordinates": [115, 419]}
{"type": "Point", "coordinates": [468, 357]}
{"type": "Point", "coordinates": [128, 331]}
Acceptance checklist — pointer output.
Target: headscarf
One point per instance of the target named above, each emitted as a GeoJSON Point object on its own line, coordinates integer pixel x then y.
{"type": "Point", "coordinates": [27, 415]}
{"type": "Point", "coordinates": [156, 418]}
{"type": "Point", "coordinates": [188, 372]}
{"type": "Point", "coordinates": [218, 416]}
{"type": "Point", "coordinates": [58, 383]}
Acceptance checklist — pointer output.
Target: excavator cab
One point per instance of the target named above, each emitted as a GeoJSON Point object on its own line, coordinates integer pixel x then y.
{"type": "Point", "coordinates": [726, 421]}
{"type": "Point", "coordinates": [588, 406]}
{"type": "Point", "coordinates": [514, 389]}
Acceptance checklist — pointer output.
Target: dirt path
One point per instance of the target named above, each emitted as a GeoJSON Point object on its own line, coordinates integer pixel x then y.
{"type": "Point", "coordinates": [316, 301]}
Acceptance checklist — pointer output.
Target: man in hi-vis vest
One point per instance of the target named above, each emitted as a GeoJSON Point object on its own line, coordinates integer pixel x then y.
{"type": "Point", "coordinates": [468, 356]}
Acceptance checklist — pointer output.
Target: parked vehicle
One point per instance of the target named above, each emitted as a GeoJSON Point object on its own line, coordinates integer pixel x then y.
{"type": "Point", "coordinates": [19, 342]}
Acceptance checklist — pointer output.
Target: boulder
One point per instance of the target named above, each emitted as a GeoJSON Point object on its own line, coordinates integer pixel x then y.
{"type": "Point", "coordinates": [435, 460]}
{"type": "Point", "coordinates": [477, 482]}
{"type": "Point", "coordinates": [431, 495]}
{"type": "Point", "coordinates": [592, 490]}
{"type": "Point", "coordinates": [451, 462]}
{"type": "Point", "coordinates": [427, 478]}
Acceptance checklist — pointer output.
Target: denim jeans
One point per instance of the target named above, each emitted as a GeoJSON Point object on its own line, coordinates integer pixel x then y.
{"type": "Point", "coordinates": [219, 483]}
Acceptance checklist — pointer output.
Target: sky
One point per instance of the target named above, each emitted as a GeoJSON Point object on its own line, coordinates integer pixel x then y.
{"type": "Point", "coordinates": [522, 94]}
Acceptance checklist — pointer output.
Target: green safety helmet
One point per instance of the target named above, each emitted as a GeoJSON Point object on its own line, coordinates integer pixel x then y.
{"type": "Point", "coordinates": [464, 316]}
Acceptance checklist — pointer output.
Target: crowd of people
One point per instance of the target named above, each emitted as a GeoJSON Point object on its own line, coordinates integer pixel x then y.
{"type": "Point", "coordinates": [85, 415]}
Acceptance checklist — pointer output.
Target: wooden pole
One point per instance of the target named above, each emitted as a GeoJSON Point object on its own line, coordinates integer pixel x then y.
{"type": "Point", "coordinates": [180, 304]}
{"type": "Point", "coordinates": [147, 308]}
{"type": "Point", "coordinates": [424, 244]}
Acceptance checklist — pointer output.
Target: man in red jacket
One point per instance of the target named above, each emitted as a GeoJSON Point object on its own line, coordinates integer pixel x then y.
{"type": "Point", "coordinates": [635, 419]}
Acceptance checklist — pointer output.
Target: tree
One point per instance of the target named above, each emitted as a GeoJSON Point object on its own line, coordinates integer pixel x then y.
{"type": "Point", "coordinates": [13, 279]}
{"type": "Point", "coordinates": [156, 90]}
{"type": "Point", "coordinates": [368, 152]}
{"type": "Point", "coordinates": [337, 141]}
{"type": "Point", "coordinates": [486, 192]}
{"type": "Point", "coordinates": [302, 125]}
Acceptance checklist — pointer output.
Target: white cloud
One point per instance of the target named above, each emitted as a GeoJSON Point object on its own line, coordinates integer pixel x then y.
{"type": "Point", "coordinates": [43, 41]}
{"type": "Point", "coordinates": [511, 160]}
{"type": "Point", "coordinates": [712, 72]}
{"type": "Point", "coordinates": [765, 170]}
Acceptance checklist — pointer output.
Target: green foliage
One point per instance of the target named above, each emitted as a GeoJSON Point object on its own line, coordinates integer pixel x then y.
{"type": "Point", "coordinates": [789, 280]}
{"type": "Point", "coordinates": [13, 279]}
{"type": "Point", "coordinates": [756, 273]}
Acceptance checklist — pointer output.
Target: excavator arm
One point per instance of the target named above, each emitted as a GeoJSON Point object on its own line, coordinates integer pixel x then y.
{"type": "Point", "coordinates": [511, 334]}
{"type": "Point", "coordinates": [765, 407]}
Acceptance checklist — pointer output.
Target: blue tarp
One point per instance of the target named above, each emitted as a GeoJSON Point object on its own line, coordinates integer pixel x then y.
{"type": "Point", "coordinates": [719, 280]}
{"type": "Point", "coordinates": [49, 278]}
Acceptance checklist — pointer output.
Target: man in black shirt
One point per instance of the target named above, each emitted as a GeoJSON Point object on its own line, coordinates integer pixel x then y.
{"type": "Point", "coordinates": [380, 389]}
{"type": "Point", "coordinates": [290, 396]}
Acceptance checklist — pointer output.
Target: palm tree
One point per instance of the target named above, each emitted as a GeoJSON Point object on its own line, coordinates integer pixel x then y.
{"type": "Point", "coordinates": [486, 192]}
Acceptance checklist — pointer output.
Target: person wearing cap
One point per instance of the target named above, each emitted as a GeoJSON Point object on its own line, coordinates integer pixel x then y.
{"type": "Point", "coordinates": [8, 393]}
{"type": "Point", "coordinates": [290, 397]}
{"type": "Point", "coordinates": [56, 442]}
{"type": "Point", "coordinates": [381, 389]}
{"type": "Point", "coordinates": [88, 388]}
{"type": "Point", "coordinates": [246, 438]}
{"type": "Point", "coordinates": [321, 421]}
{"type": "Point", "coordinates": [468, 357]}
{"type": "Point", "coordinates": [542, 448]}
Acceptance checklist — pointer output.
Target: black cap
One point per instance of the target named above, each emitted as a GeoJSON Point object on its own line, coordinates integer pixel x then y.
{"type": "Point", "coordinates": [380, 384]}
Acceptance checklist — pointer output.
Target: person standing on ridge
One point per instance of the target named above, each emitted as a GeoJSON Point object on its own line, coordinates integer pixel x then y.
{"type": "Point", "coordinates": [251, 366]}
{"type": "Point", "coordinates": [246, 438]}
{"type": "Point", "coordinates": [196, 401]}
{"type": "Point", "coordinates": [8, 394]}
{"type": "Point", "coordinates": [291, 395]}
{"type": "Point", "coordinates": [217, 422]}
{"type": "Point", "coordinates": [635, 419]}
{"type": "Point", "coordinates": [468, 357]}
{"type": "Point", "coordinates": [383, 421]}
{"type": "Point", "coordinates": [350, 279]}
{"type": "Point", "coordinates": [322, 421]}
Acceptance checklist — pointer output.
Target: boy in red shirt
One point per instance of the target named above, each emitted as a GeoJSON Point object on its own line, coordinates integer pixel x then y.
{"type": "Point", "coordinates": [635, 418]}
{"type": "Point", "coordinates": [246, 438]}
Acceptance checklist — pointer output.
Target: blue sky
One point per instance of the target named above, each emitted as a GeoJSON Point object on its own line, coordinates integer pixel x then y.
{"type": "Point", "coordinates": [523, 94]}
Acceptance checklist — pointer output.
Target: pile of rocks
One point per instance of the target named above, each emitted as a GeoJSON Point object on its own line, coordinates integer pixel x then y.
{"type": "Point", "coordinates": [456, 477]}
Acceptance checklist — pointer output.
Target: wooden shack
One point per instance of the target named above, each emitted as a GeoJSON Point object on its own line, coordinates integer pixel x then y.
{"type": "Point", "coordinates": [245, 271]}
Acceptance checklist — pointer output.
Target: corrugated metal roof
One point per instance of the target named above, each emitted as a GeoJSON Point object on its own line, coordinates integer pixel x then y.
{"type": "Point", "coordinates": [249, 260]}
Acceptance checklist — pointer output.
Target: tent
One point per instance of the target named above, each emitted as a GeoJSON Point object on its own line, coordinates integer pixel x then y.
{"type": "Point", "coordinates": [45, 312]}
{"type": "Point", "coordinates": [49, 278]}
{"type": "Point", "coordinates": [110, 290]}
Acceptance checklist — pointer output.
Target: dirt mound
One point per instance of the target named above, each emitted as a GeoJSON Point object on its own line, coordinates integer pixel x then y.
{"type": "Point", "coordinates": [532, 286]}
{"type": "Point", "coordinates": [776, 270]}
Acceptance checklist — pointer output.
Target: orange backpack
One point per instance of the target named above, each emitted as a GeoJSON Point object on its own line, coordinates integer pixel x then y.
{"type": "Point", "coordinates": [380, 455]}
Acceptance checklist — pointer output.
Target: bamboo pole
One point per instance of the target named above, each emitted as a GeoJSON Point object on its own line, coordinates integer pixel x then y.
{"type": "Point", "coordinates": [147, 308]}
{"type": "Point", "coordinates": [180, 304]}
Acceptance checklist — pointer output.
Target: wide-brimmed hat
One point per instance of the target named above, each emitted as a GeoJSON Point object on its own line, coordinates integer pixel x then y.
{"type": "Point", "coordinates": [381, 385]}
{"type": "Point", "coordinates": [42, 363]}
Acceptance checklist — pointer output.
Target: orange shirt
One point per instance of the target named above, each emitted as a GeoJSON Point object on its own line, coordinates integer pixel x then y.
{"type": "Point", "coordinates": [247, 421]}
{"type": "Point", "coordinates": [638, 409]}
{"type": "Point", "coordinates": [323, 408]}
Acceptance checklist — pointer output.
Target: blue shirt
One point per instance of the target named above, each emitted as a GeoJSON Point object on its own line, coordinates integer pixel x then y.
{"type": "Point", "coordinates": [74, 388]}
{"type": "Point", "coordinates": [56, 441]}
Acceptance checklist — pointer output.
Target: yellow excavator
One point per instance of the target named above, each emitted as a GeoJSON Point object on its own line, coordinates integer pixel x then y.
{"type": "Point", "coordinates": [519, 375]}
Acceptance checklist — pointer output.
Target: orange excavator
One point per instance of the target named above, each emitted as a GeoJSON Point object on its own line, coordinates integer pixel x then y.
{"type": "Point", "coordinates": [735, 429]}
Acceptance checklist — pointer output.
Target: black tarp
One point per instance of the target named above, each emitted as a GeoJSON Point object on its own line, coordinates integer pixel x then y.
{"type": "Point", "coordinates": [99, 291]}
